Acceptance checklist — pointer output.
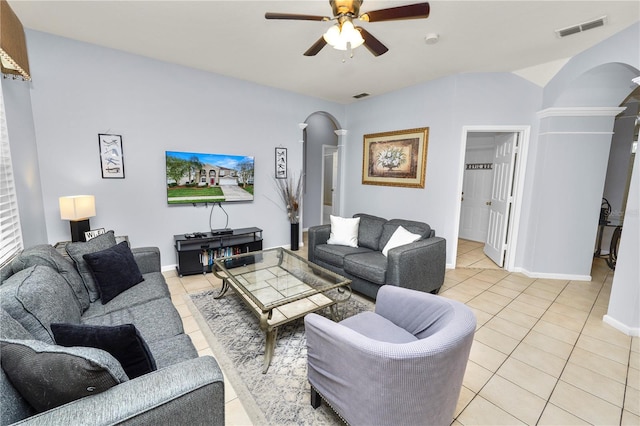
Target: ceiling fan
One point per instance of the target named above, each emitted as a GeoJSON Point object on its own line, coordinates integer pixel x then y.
{"type": "Point", "coordinates": [344, 35]}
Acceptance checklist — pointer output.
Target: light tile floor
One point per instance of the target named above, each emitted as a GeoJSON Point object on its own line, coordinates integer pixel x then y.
{"type": "Point", "coordinates": [471, 255]}
{"type": "Point", "coordinates": [541, 353]}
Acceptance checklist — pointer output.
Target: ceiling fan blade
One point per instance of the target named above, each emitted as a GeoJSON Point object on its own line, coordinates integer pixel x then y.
{"type": "Point", "coordinates": [412, 11]}
{"type": "Point", "coordinates": [317, 46]}
{"type": "Point", "coordinates": [373, 44]}
{"type": "Point", "coordinates": [295, 17]}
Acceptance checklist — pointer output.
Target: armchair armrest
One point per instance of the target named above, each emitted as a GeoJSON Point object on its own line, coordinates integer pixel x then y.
{"type": "Point", "coordinates": [419, 265]}
{"type": "Point", "coordinates": [191, 392]}
{"type": "Point", "coordinates": [147, 258]}
{"type": "Point", "coordinates": [317, 235]}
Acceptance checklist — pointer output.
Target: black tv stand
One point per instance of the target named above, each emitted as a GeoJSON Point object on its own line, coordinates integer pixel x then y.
{"type": "Point", "coordinates": [195, 255]}
{"type": "Point", "coordinates": [223, 231]}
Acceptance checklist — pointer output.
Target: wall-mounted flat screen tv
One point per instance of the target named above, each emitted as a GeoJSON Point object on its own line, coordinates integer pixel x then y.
{"type": "Point", "coordinates": [208, 178]}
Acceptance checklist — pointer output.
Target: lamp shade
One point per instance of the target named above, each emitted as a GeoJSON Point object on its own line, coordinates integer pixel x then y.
{"type": "Point", "coordinates": [13, 46]}
{"type": "Point", "coordinates": [77, 207]}
{"type": "Point", "coordinates": [343, 36]}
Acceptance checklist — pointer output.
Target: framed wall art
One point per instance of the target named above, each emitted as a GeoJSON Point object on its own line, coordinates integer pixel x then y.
{"type": "Point", "coordinates": [111, 156]}
{"type": "Point", "coordinates": [396, 158]}
{"type": "Point", "coordinates": [281, 163]}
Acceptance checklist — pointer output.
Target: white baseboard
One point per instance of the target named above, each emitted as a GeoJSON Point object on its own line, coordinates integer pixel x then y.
{"type": "Point", "coordinates": [552, 276]}
{"type": "Point", "coordinates": [168, 268]}
{"type": "Point", "coordinates": [629, 331]}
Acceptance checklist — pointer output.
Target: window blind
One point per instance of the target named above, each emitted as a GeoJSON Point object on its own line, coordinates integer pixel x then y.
{"type": "Point", "coordinates": [10, 232]}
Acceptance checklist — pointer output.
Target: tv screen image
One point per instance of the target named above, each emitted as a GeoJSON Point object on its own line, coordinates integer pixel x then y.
{"type": "Point", "coordinates": [208, 178]}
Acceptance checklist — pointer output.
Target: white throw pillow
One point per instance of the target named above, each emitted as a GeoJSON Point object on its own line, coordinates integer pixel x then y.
{"type": "Point", "coordinates": [344, 231]}
{"type": "Point", "coordinates": [400, 238]}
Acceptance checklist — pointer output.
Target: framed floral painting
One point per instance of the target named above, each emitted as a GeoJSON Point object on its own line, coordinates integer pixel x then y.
{"type": "Point", "coordinates": [396, 158]}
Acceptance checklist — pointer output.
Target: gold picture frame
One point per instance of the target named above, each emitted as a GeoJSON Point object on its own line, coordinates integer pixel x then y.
{"type": "Point", "coordinates": [396, 158]}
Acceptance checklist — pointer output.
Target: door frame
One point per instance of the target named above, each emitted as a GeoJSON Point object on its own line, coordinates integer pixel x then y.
{"type": "Point", "coordinates": [335, 153]}
{"type": "Point", "coordinates": [518, 186]}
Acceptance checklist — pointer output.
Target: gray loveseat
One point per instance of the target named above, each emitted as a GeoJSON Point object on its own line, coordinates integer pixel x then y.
{"type": "Point", "coordinates": [419, 265]}
{"type": "Point", "coordinates": [41, 287]}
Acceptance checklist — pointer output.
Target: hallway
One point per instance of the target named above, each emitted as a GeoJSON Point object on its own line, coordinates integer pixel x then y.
{"type": "Point", "coordinates": [471, 255]}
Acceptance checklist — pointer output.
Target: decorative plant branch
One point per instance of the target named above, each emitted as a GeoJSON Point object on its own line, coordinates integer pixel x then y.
{"type": "Point", "coordinates": [391, 158]}
{"type": "Point", "coordinates": [290, 192]}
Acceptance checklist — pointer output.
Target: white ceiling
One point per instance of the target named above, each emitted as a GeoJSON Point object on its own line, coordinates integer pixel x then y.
{"type": "Point", "coordinates": [233, 38]}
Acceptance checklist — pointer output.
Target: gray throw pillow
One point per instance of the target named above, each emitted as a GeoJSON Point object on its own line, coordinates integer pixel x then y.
{"type": "Point", "coordinates": [79, 249]}
{"type": "Point", "coordinates": [38, 296]}
{"type": "Point", "coordinates": [48, 376]}
{"type": "Point", "coordinates": [46, 255]}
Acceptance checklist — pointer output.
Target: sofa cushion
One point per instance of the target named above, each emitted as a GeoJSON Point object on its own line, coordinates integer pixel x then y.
{"type": "Point", "coordinates": [79, 249]}
{"type": "Point", "coordinates": [334, 255]}
{"type": "Point", "coordinates": [370, 266]}
{"type": "Point", "coordinates": [38, 296]}
{"type": "Point", "coordinates": [123, 342]}
{"type": "Point", "coordinates": [114, 270]}
{"type": "Point", "coordinates": [173, 350]}
{"type": "Point", "coordinates": [378, 328]}
{"type": "Point", "coordinates": [344, 231]}
{"type": "Point", "coordinates": [400, 238]}
{"type": "Point", "coordinates": [414, 227]}
{"type": "Point", "coordinates": [370, 230]}
{"type": "Point", "coordinates": [12, 329]}
{"type": "Point", "coordinates": [146, 317]}
{"type": "Point", "coordinates": [153, 287]}
{"type": "Point", "coordinates": [48, 375]}
{"type": "Point", "coordinates": [46, 255]}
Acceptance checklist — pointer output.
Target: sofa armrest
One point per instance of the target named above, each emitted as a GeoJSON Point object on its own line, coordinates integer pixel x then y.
{"type": "Point", "coordinates": [419, 265]}
{"type": "Point", "coordinates": [191, 392]}
{"type": "Point", "coordinates": [147, 258]}
{"type": "Point", "coordinates": [317, 235]}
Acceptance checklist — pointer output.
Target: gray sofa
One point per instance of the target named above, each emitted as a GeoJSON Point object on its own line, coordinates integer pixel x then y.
{"type": "Point", "coordinates": [41, 287]}
{"type": "Point", "coordinates": [419, 265]}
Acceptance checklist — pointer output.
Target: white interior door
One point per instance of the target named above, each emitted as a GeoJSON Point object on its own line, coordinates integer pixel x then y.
{"type": "Point", "coordinates": [501, 198]}
{"type": "Point", "coordinates": [476, 195]}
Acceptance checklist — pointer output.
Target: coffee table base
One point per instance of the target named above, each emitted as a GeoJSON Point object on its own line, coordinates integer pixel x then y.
{"type": "Point", "coordinates": [270, 320]}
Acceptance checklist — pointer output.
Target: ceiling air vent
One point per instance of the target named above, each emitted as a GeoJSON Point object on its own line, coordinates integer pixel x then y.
{"type": "Point", "coordinates": [563, 32]}
{"type": "Point", "coordinates": [361, 95]}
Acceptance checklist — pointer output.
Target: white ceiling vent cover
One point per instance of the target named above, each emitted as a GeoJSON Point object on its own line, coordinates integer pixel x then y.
{"type": "Point", "coordinates": [563, 32]}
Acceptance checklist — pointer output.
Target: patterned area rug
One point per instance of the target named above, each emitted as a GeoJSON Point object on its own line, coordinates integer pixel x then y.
{"type": "Point", "coordinates": [282, 396]}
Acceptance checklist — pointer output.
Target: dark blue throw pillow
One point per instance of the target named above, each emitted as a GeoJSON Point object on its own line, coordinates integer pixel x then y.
{"type": "Point", "coordinates": [114, 270]}
{"type": "Point", "coordinates": [123, 342]}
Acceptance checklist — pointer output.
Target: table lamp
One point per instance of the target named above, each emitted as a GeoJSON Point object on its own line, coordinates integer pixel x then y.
{"type": "Point", "coordinates": [78, 209]}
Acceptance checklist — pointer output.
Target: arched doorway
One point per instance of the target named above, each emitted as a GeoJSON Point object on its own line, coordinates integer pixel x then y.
{"type": "Point", "coordinates": [320, 139]}
{"type": "Point", "coordinates": [571, 154]}
{"type": "Point", "coordinates": [574, 146]}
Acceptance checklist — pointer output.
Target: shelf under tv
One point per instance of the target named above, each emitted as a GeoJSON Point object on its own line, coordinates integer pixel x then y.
{"type": "Point", "coordinates": [195, 254]}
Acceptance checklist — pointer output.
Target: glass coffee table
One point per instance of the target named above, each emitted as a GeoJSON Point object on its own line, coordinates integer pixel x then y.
{"type": "Point", "coordinates": [279, 286]}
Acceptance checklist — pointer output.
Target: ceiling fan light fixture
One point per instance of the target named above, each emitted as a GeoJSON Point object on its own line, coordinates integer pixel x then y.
{"type": "Point", "coordinates": [340, 37]}
{"type": "Point", "coordinates": [332, 36]}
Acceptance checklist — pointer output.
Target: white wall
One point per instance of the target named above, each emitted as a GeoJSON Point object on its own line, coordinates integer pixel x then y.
{"type": "Point", "coordinates": [80, 90]}
{"type": "Point", "coordinates": [624, 302]}
{"type": "Point", "coordinates": [622, 48]}
{"type": "Point", "coordinates": [445, 106]}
